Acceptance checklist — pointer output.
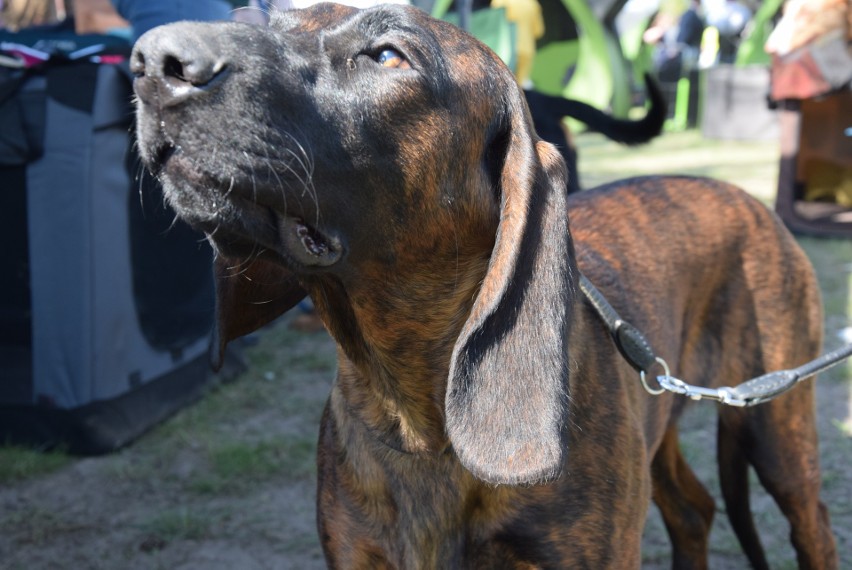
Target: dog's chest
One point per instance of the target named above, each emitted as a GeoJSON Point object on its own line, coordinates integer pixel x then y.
{"type": "Point", "coordinates": [381, 508]}
{"type": "Point", "coordinates": [447, 520]}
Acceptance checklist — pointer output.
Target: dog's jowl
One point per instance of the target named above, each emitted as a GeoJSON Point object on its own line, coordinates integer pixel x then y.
{"type": "Point", "coordinates": [384, 163]}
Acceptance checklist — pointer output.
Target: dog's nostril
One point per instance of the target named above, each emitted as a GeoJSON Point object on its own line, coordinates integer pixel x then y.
{"type": "Point", "coordinates": [137, 64]}
{"type": "Point", "coordinates": [192, 70]}
{"type": "Point", "coordinates": [172, 67]}
{"type": "Point", "coordinates": [174, 63]}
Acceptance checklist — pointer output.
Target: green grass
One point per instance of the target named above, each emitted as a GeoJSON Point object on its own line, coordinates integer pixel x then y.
{"type": "Point", "coordinates": [181, 523]}
{"type": "Point", "coordinates": [235, 467]}
{"type": "Point", "coordinates": [832, 259]}
{"type": "Point", "coordinates": [222, 444]}
{"type": "Point", "coordinates": [35, 525]}
{"type": "Point", "coordinates": [280, 360]}
{"type": "Point", "coordinates": [751, 165]}
{"type": "Point", "coordinates": [284, 351]}
{"type": "Point", "coordinates": [19, 463]}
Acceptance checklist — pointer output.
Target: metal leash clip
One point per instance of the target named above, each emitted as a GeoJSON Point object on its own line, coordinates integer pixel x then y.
{"type": "Point", "coordinates": [753, 392]}
{"type": "Point", "coordinates": [722, 395]}
{"type": "Point", "coordinates": [669, 383]}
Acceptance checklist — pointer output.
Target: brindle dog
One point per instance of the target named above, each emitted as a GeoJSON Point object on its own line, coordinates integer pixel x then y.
{"type": "Point", "coordinates": [384, 163]}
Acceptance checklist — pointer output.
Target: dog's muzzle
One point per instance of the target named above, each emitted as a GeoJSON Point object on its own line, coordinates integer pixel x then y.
{"type": "Point", "coordinates": [199, 136]}
{"type": "Point", "coordinates": [170, 68]}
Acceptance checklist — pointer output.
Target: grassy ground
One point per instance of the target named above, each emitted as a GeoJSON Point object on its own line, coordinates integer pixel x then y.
{"type": "Point", "coordinates": [229, 482]}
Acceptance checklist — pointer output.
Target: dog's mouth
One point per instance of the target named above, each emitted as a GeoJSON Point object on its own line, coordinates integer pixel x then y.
{"type": "Point", "coordinates": [162, 156]}
{"type": "Point", "coordinates": [308, 246]}
{"type": "Point", "coordinates": [236, 220]}
{"type": "Point", "coordinates": [239, 216]}
{"type": "Point", "coordinates": [251, 228]}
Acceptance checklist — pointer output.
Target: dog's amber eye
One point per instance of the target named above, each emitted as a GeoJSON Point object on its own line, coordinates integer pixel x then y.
{"type": "Point", "coordinates": [389, 57]}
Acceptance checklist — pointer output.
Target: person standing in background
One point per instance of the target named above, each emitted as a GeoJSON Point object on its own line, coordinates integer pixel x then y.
{"type": "Point", "coordinates": [689, 33]}
{"type": "Point", "coordinates": [16, 15]}
{"type": "Point", "coordinates": [731, 21]}
{"type": "Point", "coordinates": [100, 16]}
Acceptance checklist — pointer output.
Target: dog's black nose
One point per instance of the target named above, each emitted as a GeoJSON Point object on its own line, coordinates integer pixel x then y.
{"type": "Point", "coordinates": [176, 62]}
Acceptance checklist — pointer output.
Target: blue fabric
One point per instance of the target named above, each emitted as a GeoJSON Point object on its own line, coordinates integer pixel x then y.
{"type": "Point", "coordinates": [146, 14]}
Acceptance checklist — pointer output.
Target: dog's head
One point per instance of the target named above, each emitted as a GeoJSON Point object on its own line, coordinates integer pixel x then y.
{"type": "Point", "coordinates": [337, 141]}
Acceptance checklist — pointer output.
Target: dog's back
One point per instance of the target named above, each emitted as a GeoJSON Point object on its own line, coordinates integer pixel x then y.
{"type": "Point", "coordinates": [707, 254]}
{"type": "Point", "coordinates": [727, 295]}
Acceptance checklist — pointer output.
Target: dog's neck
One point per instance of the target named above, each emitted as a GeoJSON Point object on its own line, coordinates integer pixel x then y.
{"type": "Point", "coordinates": [396, 341]}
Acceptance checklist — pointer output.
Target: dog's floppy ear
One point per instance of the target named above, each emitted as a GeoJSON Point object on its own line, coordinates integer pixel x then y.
{"type": "Point", "coordinates": [507, 398]}
{"type": "Point", "coordinates": [249, 295]}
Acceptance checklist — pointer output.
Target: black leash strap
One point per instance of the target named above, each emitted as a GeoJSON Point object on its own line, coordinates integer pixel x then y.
{"type": "Point", "coordinates": [766, 387]}
{"type": "Point", "coordinates": [636, 349]}
{"type": "Point", "coordinates": [631, 343]}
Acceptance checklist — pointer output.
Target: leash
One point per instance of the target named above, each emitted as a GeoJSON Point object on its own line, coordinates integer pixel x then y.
{"type": "Point", "coordinates": [637, 351]}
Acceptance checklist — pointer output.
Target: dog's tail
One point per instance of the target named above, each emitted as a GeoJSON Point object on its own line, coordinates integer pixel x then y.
{"type": "Point", "coordinates": [625, 131]}
{"type": "Point", "coordinates": [733, 480]}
